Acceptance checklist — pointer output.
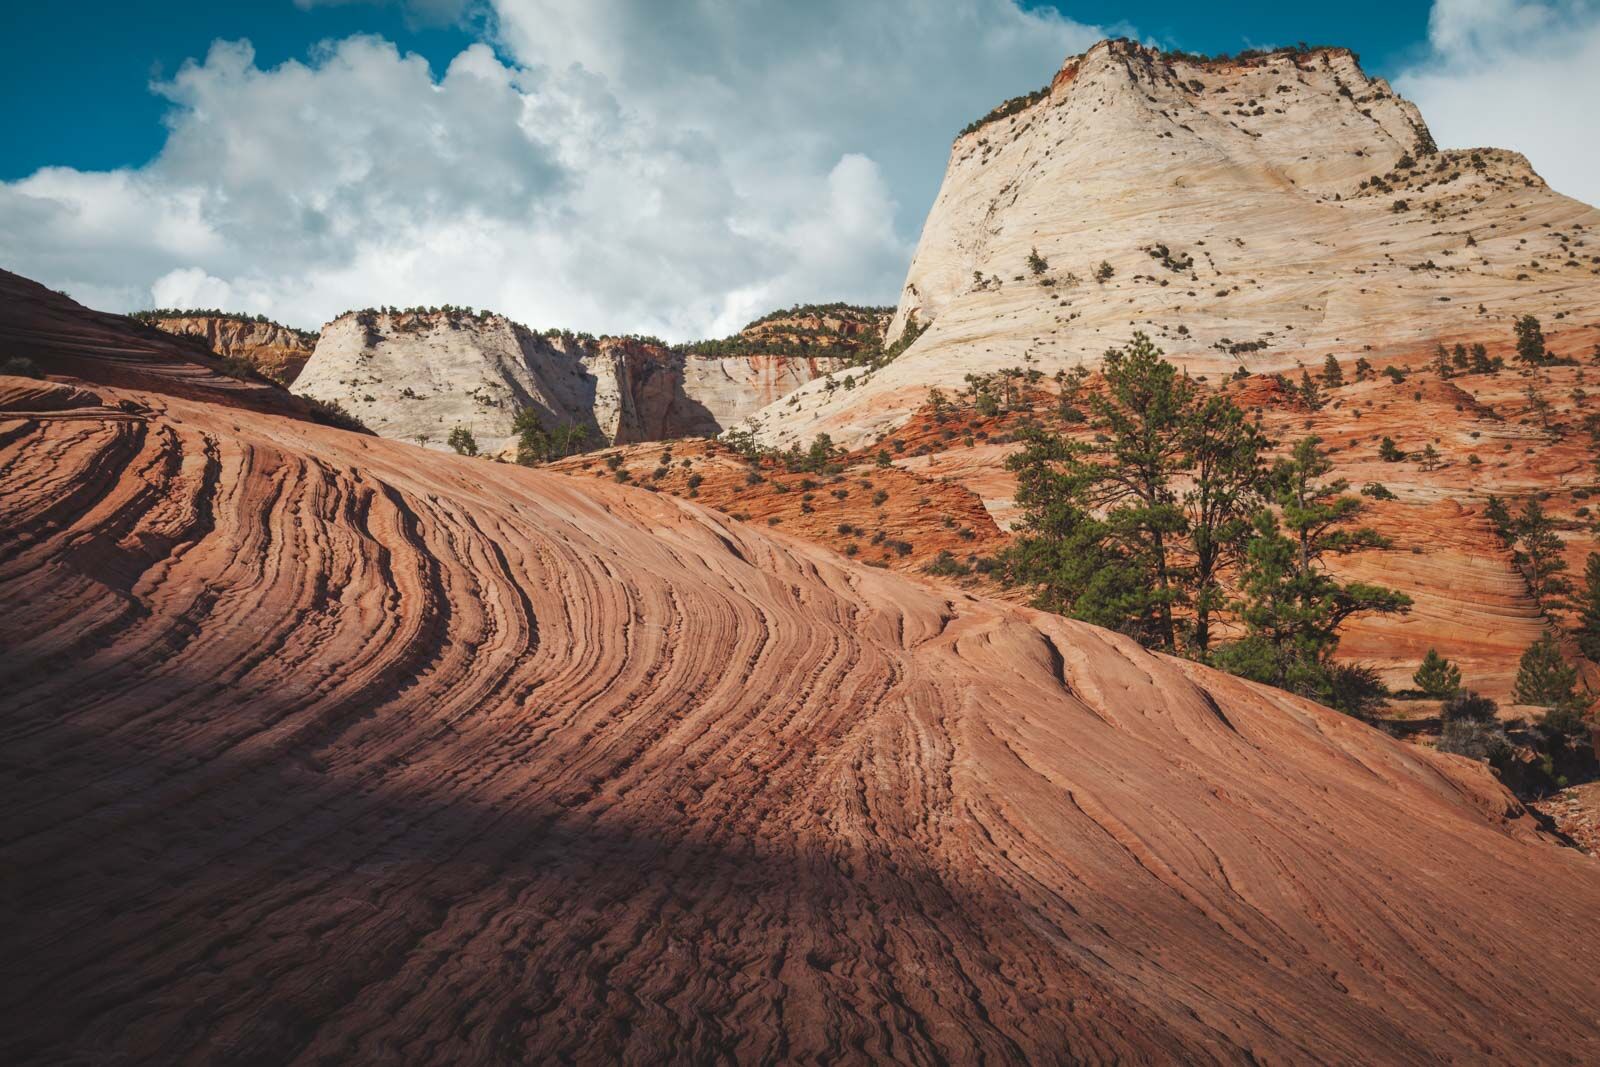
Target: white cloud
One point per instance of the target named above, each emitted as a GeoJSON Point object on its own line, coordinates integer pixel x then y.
{"type": "Point", "coordinates": [609, 164]}
{"type": "Point", "coordinates": [1520, 74]}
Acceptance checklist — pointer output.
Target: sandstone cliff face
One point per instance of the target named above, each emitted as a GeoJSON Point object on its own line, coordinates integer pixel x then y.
{"type": "Point", "coordinates": [419, 376]}
{"type": "Point", "coordinates": [1266, 213]}
{"type": "Point", "coordinates": [275, 351]}
{"type": "Point", "coordinates": [318, 749]}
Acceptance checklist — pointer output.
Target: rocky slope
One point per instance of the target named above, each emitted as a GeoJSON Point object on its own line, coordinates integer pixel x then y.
{"type": "Point", "coordinates": [1261, 212]}
{"type": "Point", "coordinates": [1470, 601]}
{"type": "Point", "coordinates": [53, 334]}
{"type": "Point", "coordinates": [419, 375]}
{"type": "Point", "coordinates": [276, 351]}
{"type": "Point", "coordinates": [313, 750]}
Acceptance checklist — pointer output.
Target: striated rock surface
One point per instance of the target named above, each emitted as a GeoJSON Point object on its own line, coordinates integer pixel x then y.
{"type": "Point", "coordinates": [1263, 212]}
{"type": "Point", "coordinates": [315, 751]}
{"type": "Point", "coordinates": [419, 375]}
{"type": "Point", "coordinates": [57, 335]}
{"type": "Point", "coordinates": [276, 351]}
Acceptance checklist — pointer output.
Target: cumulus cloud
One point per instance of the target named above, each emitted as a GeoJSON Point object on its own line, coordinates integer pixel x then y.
{"type": "Point", "coordinates": [600, 164]}
{"type": "Point", "coordinates": [1521, 74]}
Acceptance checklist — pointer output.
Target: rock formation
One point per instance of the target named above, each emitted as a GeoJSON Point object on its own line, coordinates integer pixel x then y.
{"type": "Point", "coordinates": [419, 375]}
{"type": "Point", "coordinates": [1262, 212]}
{"type": "Point", "coordinates": [276, 351]}
{"type": "Point", "coordinates": [315, 750]}
{"type": "Point", "coordinates": [51, 333]}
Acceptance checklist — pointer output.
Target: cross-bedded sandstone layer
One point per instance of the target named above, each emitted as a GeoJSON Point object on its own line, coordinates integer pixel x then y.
{"type": "Point", "coordinates": [316, 751]}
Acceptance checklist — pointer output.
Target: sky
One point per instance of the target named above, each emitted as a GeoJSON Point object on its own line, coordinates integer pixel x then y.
{"type": "Point", "coordinates": [673, 167]}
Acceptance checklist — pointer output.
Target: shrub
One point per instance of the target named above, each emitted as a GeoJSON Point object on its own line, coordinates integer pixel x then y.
{"type": "Point", "coordinates": [947, 566]}
{"type": "Point", "coordinates": [1475, 740]}
{"type": "Point", "coordinates": [1468, 705]}
{"type": "Point", "coordinates": [463, 442]}
{"type": "Point", "coordinates": [21, 367]}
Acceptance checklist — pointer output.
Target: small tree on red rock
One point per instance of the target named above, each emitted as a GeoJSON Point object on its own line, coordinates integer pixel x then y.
{"type": "Point", "coordinates": [1437, 676]}
{"type": "Point", "coordinates": [1544, 677]}
{"type": "Point", "coordinates": [1538, 553]}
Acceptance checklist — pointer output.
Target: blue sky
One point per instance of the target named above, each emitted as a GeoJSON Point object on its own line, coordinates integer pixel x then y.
{"type": "Point", "coordinates": [673, 167]}
{"type": "Point", "coordinates": [88, 104]}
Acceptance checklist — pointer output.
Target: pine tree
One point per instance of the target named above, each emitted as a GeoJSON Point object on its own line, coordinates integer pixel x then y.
{"type": "Point", "coordinates": [1500, 518]}
{"type": "Point", "coordinates": [1389, 452]}
{"type": "Point", "coordinates": [1538, 554]}
{"type": "Point", "coordinates": [1458, 359]}
{"type": "Point", "coordinates": [1588, 605]}
{"type": "Point", "coordinates": [1437, 676]}
{"type": "Point", "coordinates": [1310, 395]}
{"type": "Point", "coordinates": [1292, 608]}
{"type": "Point", "coordinates": [1063, 551]}
{"type": "Point", "coordinates": [1107, 536]}
{"type": "Point", "coordinates": [1544, 677]}
{"type": "Point", "coordinates": [533, 440]}
{"type": "Point", "coordinates": [1530, 342]}
{"type": "Point", "coordinates": [1332, 373]}
{"type": "Point", "coordinates": [1222, 453]}
{"type": "Point", "coordinates": [1481, 363]}
{"type": "Point", "coordinates": [463, 442]}
{"type": "Point", "coordinates": [1363, 369]}
{"type": "Point", "coordinates": [1441, 360]}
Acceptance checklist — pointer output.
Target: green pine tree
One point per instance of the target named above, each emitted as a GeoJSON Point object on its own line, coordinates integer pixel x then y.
{"type": "Point", "coordinates": [1332, 374]}
{"type": "Point", "coordinates": [1530, 341]}
{"type": "Point", "coordinates": [1437, 676]}
{"type": "Point", "coordinates": [1291, 606]}
{"type": "Point", "coordinates": [1588, 605]}
{"type": "Point", "coordinates": [463, 442]}
{"type": "Point", "coordinates": [1222, 455]}
{"type": "Point", "coordinates": [533, 440]}
{"type": "Point", "coordinates": [1310, 394]}
{"type": "Point", "coordinates": [1113, 500]}
{"type": "Point", "coordinates": [1538, 554]}
{"type": "Point", "coordinates": [1544, 677]}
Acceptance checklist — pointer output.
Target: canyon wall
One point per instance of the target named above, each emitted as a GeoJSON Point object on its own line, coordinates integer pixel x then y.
{"type": "Point", "coordinates": [419, 375]}
{"type": "Point", "coordinates": [276, 351]}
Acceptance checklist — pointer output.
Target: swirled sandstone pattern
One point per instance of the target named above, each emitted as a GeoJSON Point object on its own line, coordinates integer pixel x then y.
{"type": "Point", "coordinates": [315, 752]}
